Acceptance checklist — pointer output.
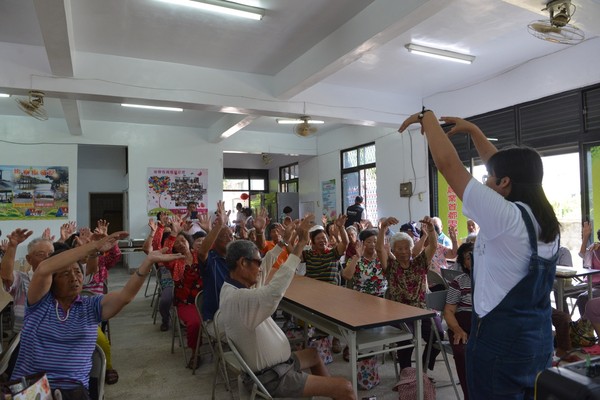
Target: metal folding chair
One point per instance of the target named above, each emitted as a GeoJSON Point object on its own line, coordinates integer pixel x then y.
{"type": "Point", "coordinates": [437, 301]}
{"type": "Point", "coordinates": [225, 360]}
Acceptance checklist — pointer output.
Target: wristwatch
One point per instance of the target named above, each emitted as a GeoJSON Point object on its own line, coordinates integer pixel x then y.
{"type": "Point", "coordinates": [422, 114]}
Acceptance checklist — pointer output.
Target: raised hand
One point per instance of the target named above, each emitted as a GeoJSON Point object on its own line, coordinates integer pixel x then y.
{"type": "Point", "coordinates": [358, 246]}
{"type": "Point", "coordinates": [18, 236]}
{"type": "Point", "coordinates": [460, 125]}
{"type": "Point", "coordinates": [222, 215]}
{"type": "Point", "coordinates": [261, 220]}
{"type": "Point", "coordinates": [303, 227]}
{"type": "Point", "coordinates": [289, 230]}
{"type": "Point", "coordinates": [3, 245]}
{"type": "Point", "coordinates": [67, 229]}
{"type": "Point", "coordinates": [152, 225]}
{"type": "Point", "coordinates": [452, 232]}
{"type": "Point", "coordinates": [160, 256]}
{"type": "Point", "coordinates": [47, 235]}
{"type": "Point", "coordinates": [586, 231]}
{"type": "Point", "coordinates": [341, 221]}
{"type": "Point", "coordinates": [204, 222]}
{"type": "Point", "coordinates": [107, 242]}
{"type": "Point", "coordinates": [427, 225]}
{"type": "Point", "coordinates": [176, 225]}
{"type": "Point", "coordinates": [324, 220]}
{"type": "Point", "coordinates": [85, 235]}
{"type": "Point", "coordinates": [102, 226]}
{"type": "Point", "coordinates": [387, 222]}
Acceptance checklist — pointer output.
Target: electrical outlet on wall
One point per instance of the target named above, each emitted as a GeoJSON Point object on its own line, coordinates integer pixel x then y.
{"type": "Point", "coordinates": [406, 189]}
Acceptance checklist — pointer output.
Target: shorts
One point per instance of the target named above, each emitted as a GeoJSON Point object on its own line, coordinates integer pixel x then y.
{"type": "Point", "coordinates": [285, 379]}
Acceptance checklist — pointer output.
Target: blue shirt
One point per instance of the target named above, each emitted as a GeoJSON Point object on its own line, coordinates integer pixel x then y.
{"type": "Point", "coordinates": [61, 347]}
{"type": "Point", "coordinates": [214, 273]}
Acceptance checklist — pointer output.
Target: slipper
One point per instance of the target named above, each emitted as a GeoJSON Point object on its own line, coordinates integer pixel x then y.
{"type": "Point", "coordinates": [111, 377]}
{"type": "Point", "coordinates": [593, 350]}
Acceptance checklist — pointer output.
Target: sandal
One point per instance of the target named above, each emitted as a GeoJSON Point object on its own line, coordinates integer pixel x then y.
{"type": "Point", "coordinates": [111, 377]}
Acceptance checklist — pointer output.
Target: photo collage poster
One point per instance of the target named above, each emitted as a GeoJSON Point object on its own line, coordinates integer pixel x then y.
{"type": "Point", "coordinates": [171, 189]}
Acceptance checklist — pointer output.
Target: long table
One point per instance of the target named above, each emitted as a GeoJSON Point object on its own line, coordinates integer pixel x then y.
{"type": "Point", "coordinates": [361, 319]}
{"type": "Point", "coordinates": [577, 272]}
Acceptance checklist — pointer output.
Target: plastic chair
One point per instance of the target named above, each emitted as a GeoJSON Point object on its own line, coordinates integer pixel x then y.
{"type": "Point", "coordinates": [225, 360]}
{"type": "Point", "coordinates": [203, 333]}
{"type": "Point", "coordinates": [97, 374]}
{"type": "Point", "coordinates": [433, 279]}
{"type": "Point", "coordinates": [437, 301]}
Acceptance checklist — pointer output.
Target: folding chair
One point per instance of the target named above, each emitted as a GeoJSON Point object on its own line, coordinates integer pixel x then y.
{"type": "Point", "coordinates": [437, 301]}
{"type": "Point", "coordinates": [203, 333]}
{"type": "Point", "coordinates": [97, 374]}
{"type": "Point", "coordinates": [433, 279]}
{"type": "Point", "coordinates": [152, 274]}
{"type": "Point", "coordinates": [179, 332]}
{"type": "Point", "coordinates": [225, 360]}
{"type": "Point", "coordinates": [10, 353]}
{"type": "Point", "coordinates": [257, 387]}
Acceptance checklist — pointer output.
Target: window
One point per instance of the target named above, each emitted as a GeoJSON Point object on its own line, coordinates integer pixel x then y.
{"type": "Point", "coordinates": [288, 178]}
{"type": "Point", "coordinates": [239, 185]}
{"type": "Point", "coordinates": [359, 178]}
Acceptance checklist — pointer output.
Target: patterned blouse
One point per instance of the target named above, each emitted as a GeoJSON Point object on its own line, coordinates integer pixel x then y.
{"type": "Point", "coordinates": [408, 286]}
{"type": "Point", "coordinates": [369, 277]}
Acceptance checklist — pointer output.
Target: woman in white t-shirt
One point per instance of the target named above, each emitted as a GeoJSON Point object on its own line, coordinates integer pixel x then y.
{"type": "Point", "coordinates": [514, 258]}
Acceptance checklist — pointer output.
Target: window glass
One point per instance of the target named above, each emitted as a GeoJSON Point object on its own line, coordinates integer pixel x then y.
{"type": "Point", "coordinates": [235, 184]}
{"type": "Point", "coordinates": [349, 159]}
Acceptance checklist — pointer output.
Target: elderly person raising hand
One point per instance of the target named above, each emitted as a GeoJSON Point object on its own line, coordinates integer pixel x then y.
{"type": "Point", "coordinates": [407, 280]}
{"type": "Point", "coordinates": [59, 333]}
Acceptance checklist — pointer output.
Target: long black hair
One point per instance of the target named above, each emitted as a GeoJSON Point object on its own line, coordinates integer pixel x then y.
{"type": "Point", "coordinates": [523, 165]}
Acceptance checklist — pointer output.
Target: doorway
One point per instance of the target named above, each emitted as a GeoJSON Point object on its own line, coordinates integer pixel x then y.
{"type": "Point", "coordinates": [107, 206]}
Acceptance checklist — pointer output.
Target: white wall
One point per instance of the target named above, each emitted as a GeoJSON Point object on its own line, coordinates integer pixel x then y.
{"type": "Point", "coordinates": [102, 169]}
{"type": "Point", "coordinates": [41, 155]}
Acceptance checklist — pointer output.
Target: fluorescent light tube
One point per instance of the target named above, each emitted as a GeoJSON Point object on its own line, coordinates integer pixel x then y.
{"type": "Point", "coordinates": [4, 95]}
{"type": "Point", "coordinates": [223, 7]}
{"type": "Point", "coordinates": [152, 107]}
{"type": "Point", "coordinates": [299, 121]}
{"type": "Point", "coordinates": [440, 54]}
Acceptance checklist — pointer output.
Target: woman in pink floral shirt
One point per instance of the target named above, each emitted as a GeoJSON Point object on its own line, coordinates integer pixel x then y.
{"type": "Point", "coordinates": [407, 280]}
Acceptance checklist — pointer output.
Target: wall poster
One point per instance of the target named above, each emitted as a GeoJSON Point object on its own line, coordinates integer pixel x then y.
{"type": "Point", "coordinates": [28, 192]}
{"type": "Point", "coordinates": [328, 197]}
{"type": "Point", "coordinates": [170, 189]}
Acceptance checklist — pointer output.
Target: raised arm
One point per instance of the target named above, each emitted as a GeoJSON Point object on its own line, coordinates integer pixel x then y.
{"type": "Point", "coordinates": [7, 265]}
{"type": "Point", "coordinates": [443, 152]}
{"type": "Point", "coordinates": [209, 240]}
{"type": "Point", "coordinates": [429, 232]}
{"type": "Point", "coordinates": [451, 253]}
{"type": "Point", "coordinates": [484, 147]}
{"type": "Point", "coordinates": [586, 233]}
{"type": "Point", "coordinates": [147, 246]}
{"type": "Point", "coordinates": [114, 302]}
{"type": "Point", "coordinates": [42, 277]}
{"type": "Point", "coordinates": [350, 268]}
{"type": "Point", "coordinates": [382, 252]}
{"type": "Point", "coordinates": [260, 222]}
{"type": "Point", "coordinates": [340, 222]}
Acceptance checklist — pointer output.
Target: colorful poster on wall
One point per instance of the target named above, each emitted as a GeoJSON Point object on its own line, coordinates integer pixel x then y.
{"type": "Point", "coordinates": [40, 192]}
{"type": "Point", "coordinates": [328, 196]}
{"type": "Point", "coordinates": [171, 189]}
{"type": "Point", "coordinates": [450, 208]}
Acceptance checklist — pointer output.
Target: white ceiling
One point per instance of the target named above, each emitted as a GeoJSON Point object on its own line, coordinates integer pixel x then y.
{"type": "Point", "coordinates": [343, 61]}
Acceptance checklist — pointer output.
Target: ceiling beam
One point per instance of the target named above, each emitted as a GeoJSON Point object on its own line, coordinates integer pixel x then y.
{"type": "Point", "coordinates": [228, 126]}
{"type": "Point", "coordinates": [377, 24]}
{"type": "Point", "coordinates": [56, 25]}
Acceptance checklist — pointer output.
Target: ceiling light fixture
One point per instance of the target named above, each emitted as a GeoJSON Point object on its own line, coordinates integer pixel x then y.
{"type": "Point", "coordinates": [439, 53]}
{"type": "Point", "coordinates": [223, 7]}
{"type": "Point", "coordinates": [4, 95]}
{"type": "Point", "coordinates": [299, 121]}
{"type": "Point", "coordinates": [152, 107]}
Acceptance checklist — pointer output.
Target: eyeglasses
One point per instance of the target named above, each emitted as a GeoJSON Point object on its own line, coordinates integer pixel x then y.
{"type": "Point", "coordinates": [484, 178]}
{"type": "Point", "coordinates": [254, 260]}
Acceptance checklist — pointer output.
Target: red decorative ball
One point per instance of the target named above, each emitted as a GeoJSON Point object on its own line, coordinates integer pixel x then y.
{"type": "Point", "coordinates": [244, 196]}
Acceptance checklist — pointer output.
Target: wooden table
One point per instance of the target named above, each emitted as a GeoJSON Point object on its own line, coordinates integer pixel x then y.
{"type": "Point", "coordinates": [579, 272]}
{"type": "Point", "coordinates": [361, 319]}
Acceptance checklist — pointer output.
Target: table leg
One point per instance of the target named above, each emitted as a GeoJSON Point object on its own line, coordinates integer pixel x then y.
{"type": "Point", "coordinates": [350, 337]}
{"type": "Point", "coordinates": [560, 294]}
{"type": "Point", "coordinates": [418, 345]}
{"type": "Point", "coordinates": [590, 287]}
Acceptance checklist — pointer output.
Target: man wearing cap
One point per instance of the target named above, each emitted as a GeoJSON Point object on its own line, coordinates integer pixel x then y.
{"type": "Point", "coordinates": [355, 212]}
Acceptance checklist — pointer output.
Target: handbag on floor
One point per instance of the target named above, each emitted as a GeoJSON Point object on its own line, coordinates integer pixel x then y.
{"type": "Point", "coordinates": [582, 333]}
{"type": "Point", "coordinates": [35, 386]}
{"type": "Point", "coordinates": [323, 346]}
{"type": "Point", "coordinates": [367, 373]}
{"type": "Point", "coordinates": [407, 385]}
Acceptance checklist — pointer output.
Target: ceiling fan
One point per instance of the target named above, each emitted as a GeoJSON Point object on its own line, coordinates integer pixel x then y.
{"type": "Point", "coordinates": [34, 105]}
{"type": "Point", "coordinates": [306, 127]}
{"type": "Point", "coordinates": [557, 29]}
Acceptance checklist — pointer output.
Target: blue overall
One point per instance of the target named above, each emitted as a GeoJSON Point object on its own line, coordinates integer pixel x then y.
{"type": "Point", "coordinates": [509, 346]}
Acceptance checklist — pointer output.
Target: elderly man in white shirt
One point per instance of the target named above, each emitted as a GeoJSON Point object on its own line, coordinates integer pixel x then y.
{"type": "Point", "coordinates": [246, 317]}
